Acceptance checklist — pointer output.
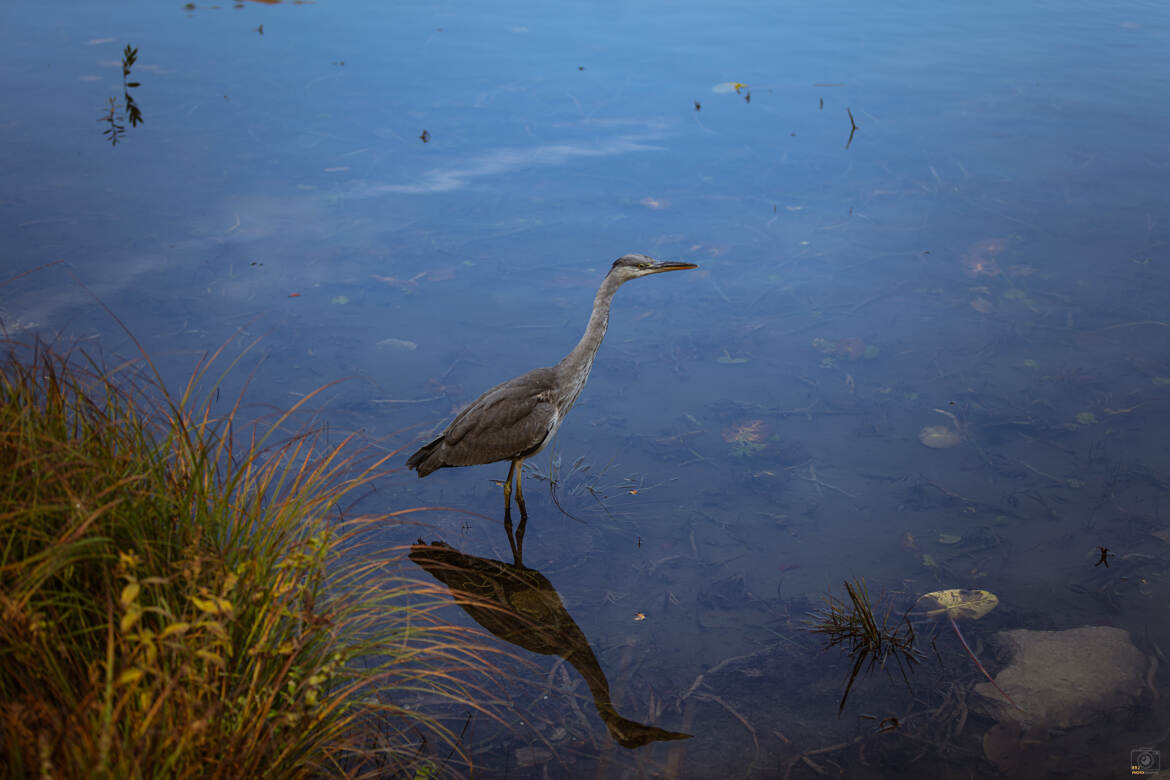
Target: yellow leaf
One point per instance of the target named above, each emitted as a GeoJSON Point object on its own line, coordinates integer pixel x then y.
{"type": "Point", "coordinates": [213, 605]}
{"type": "Point", "coordinates": [214, 658]}
{"type": "Point", "coordinates": [129, 594]}
{"type": "Point", "coordinates": [205, 605]}
{"type": "Point", "coordinates": [958, 603]}
{"type": "Point", "coordinates": [174, 628]}
{"type": "Point", "coordinates": [129, 676]}
{"type": "Point", "coordinates": [129, 619]}
{"type": "Point", "coordinates": [215, 628]}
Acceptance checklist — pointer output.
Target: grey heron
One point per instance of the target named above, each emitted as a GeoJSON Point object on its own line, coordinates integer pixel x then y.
{"type": "Point", "coordinates": [516, 419]}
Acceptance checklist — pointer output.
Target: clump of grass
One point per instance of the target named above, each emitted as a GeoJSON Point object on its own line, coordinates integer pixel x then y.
{"type": "Point", "coordinates": [854, 626]}
{"type": "Point", "coordinates": [181, 598]}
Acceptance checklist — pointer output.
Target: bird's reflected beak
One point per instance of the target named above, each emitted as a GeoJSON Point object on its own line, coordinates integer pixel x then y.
{"type": "Point", "coordinates": [664, 266]}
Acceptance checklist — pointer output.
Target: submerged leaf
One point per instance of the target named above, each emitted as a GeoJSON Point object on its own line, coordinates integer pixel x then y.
{"type": "Point", "coordinates": [727, 359]}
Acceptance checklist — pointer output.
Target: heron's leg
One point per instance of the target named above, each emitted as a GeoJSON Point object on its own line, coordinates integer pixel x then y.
{"type": "Point", "coordinates": [508, 489]}
{"type": "Point", "coordinates": [520, 493]}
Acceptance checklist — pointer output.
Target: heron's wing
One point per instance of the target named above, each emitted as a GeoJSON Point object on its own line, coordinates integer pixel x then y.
{"type": "Point", "coordinates": [511, 420]}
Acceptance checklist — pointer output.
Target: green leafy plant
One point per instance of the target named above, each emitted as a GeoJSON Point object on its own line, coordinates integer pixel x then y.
{"type": "Point", "coordinates": [115, 129]}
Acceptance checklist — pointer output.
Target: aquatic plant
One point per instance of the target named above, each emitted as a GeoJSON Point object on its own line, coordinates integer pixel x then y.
{"type": "Point", "coordinates": [971, 604]}
{"type": "Point", "coordinates": [979, 260]}
{"type": "Point", "coordinates": [746, 438]}
{"type": "Point", "coordinates": [855, 626]}
{"type": "Point", "coordinates": [180, 596]}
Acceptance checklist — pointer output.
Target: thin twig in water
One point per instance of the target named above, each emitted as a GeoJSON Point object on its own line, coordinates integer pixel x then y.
{"type": "Point", "coordinates": [1135, 324]}
{"type": "Point", "coordinates": [812, 477]}
{"type": "Point", "coordinates": [408, 400]}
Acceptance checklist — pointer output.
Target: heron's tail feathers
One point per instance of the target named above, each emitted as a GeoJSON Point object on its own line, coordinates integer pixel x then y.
{"type": "Point", "coordinates": [422, 462]}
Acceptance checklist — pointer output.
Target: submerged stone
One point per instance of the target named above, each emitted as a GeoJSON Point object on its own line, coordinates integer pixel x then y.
{"type": "Point", "coordinates": [1063, 678]}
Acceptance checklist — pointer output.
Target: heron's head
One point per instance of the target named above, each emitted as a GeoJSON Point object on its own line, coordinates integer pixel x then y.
{"type": "Point", "coordinates": [629, 267]}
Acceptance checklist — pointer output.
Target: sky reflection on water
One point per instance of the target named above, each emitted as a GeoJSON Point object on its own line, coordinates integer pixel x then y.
{"type": "Point", "coordinates": [991, 242]}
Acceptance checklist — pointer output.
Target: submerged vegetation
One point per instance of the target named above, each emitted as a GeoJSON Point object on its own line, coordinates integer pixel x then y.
{"type": "Point", "coordinates": [180, 595]}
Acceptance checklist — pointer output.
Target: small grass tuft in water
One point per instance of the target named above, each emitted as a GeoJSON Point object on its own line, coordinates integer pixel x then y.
{"type": "Point", "coordinates": [179, 596]}
{"type": "Point", "coordinates": [855, 626]}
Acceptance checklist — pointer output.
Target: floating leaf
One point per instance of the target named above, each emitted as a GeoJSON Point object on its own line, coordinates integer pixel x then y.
{"type": "Point", "coordinates": [959, 603]}
{"type": "Point", "coordinates": [949, 538]}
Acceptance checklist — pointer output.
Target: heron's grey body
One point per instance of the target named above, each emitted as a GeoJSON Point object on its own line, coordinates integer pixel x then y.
{"type": "Point", "coordinates": [516, 419]}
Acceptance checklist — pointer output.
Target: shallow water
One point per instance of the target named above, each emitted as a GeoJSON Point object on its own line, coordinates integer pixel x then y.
{"type": "Point", "coordinates": [991, 240]}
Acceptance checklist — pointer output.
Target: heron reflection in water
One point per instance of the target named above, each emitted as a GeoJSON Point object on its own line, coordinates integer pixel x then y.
{"type": "Point", "coordinates": [521, 606]}
{"type": "Point", "coordinates": [516, 419]}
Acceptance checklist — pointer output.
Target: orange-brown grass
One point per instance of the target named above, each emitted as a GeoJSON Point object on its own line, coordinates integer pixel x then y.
{"type": "Point", "coordinates": [180, 598]}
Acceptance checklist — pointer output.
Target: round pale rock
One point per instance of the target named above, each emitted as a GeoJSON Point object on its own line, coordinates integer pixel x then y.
{"type": "Point", "coordinates": [1063, 678]}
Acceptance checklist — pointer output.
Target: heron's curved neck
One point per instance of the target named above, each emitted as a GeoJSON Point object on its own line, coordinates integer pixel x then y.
{"type": "Point", "coordinates": [578, 362]}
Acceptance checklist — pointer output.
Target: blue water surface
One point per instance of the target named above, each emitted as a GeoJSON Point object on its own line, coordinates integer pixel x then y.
{"type": "Point", "coordinates": [911, 221]}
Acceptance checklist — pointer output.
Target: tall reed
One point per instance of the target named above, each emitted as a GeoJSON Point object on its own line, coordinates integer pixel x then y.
{"type": "Point", "coordinates": [180, 596]}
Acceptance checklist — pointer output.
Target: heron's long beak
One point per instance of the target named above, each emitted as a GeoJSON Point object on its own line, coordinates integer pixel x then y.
{"type": "Point", "coordinates": [663, 266]}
